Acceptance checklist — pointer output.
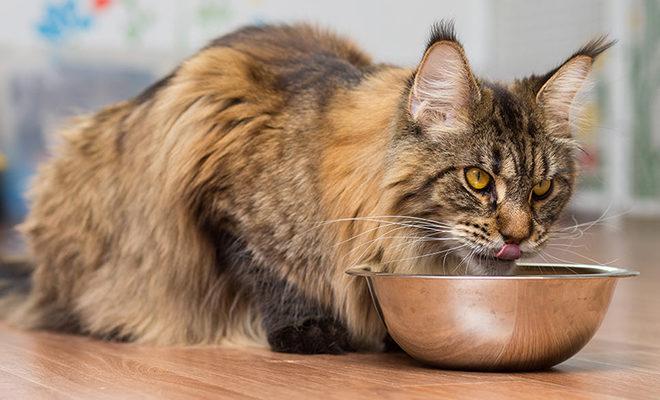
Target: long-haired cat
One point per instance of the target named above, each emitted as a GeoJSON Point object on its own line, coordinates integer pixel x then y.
{"type": "Point", "coordinates": [224, 203]}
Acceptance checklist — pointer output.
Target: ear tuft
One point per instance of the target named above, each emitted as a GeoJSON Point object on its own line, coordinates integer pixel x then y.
{"type": "Point", "coordinates": [444, 87]}
{"type": "Point", "coordinates": [440, 32]}
{"type": "Point", "coordinates": [557, 97]}
{"type": "Point", "coordinates": [594, 47]}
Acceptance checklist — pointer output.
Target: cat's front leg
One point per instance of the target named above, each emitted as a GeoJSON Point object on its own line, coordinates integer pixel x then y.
{"type": "Point", "coordinates": [314, 335]}
{"type": "Point", "coordinates": [293, 322]}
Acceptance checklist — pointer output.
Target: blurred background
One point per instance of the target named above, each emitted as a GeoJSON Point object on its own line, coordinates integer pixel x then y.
{"type": "Point", "coordinates": [59, 58]}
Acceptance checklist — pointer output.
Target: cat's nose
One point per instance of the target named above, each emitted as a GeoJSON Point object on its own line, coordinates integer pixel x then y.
{"type": "Point", "coordinates": [515, 223]}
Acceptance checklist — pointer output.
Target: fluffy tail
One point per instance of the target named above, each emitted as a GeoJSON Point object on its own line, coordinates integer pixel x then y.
{"type": "Point", "coordinates": [15, 283]}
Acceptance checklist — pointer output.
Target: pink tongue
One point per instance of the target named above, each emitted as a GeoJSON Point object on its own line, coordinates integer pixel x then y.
{"type": "Point", "coordinates": [509, 252]}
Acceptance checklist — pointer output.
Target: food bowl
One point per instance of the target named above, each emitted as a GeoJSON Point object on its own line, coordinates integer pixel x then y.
{"type": "Point", "coordinates": [535, 318]}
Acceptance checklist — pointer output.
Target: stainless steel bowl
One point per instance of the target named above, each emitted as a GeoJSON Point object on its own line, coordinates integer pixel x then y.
{"type": "Point", "coordinates": [533, 319]}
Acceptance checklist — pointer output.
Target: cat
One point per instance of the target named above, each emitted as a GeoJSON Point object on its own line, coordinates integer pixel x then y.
{"type": "Point", "coordinates": [224, 203]}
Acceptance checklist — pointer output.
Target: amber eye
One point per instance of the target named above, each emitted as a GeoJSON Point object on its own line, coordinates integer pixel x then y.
{"type": "Point", "coordinates": [542, 189]}
{"type": "Point", "coordinates": [477, 178]}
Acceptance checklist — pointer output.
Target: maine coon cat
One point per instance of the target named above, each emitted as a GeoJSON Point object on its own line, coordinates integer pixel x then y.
{"type": "Point", "coordinates": [224, 203]}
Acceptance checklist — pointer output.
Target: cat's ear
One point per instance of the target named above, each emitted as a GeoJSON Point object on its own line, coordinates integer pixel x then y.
{"type": "Point", "coordinates": [557, 97]}
{"type": "Point", "coordinates": [444, 87]}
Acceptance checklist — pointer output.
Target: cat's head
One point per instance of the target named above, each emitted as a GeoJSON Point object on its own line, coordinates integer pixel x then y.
{"type": "Point", "coordinates": [494, 163]}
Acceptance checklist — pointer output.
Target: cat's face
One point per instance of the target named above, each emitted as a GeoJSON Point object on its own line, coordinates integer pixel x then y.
{"type": "Point", "coordinates": [502, 181]}
{"type": "Point", "coordinates": [493, 164]}
{"type": "Point", "coordinates": [510, 183]}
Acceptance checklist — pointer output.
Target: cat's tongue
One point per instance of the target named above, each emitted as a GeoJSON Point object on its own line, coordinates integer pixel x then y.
{"type": "Point", "coordinates": [509, 252]}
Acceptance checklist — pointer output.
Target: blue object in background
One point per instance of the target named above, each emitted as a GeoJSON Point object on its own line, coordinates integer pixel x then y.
{"type": "Point", "coordinates": [63, 18]}
{"type": "Point", "coordinates": [40, 102]}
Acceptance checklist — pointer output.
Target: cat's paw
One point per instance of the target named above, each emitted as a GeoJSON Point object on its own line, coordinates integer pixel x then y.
{"type": "Point", "coordinates": [313, 336]}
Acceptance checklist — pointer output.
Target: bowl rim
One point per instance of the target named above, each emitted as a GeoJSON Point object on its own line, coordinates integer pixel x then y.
{"type": "Point", "coordinates": [606, 272]}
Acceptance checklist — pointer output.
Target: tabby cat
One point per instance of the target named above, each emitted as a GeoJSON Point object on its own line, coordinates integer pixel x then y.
{"type": "Point", "coordinates": [224, 203]}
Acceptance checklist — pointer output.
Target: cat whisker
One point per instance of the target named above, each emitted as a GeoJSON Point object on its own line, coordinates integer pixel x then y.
{"type": "Point", "coordinates": [462, 261]}
{"type": "Point", "coordinates": [403, 217]}
{"type": "Point", "coordinates": [366, 219]}
{"type": "Point", "coordinates": [383, 223]}
{"type": "Point", "coordinates": [429, 254]}
{"type": "Point", "coordinates": [560, 260]}
{"type": "Point", "coordinates": [378, 238]}
{"type": "Point", "coordinates": [456, 267]}
{"type": "Point", "coordinates": [400, 226]}
{"type": "Point", "coordinates": [384, 236]}
{"type": "Point", "coordinates": [371, 230]}
{"type": "Point", "coordinates": [430, 221]}
{"type": "Point", "coordinates": [421, 239]}
{"type": "Point", "coordinates": [571, 245]}
{"type": "Point", "coordinates": [588, 225]}
{"type": "Point", "coordinates": [540, 253]}
{"type": "Point", "coordinates": [571, 237]}
{"type": "Point", "coordinates": [409, 240]}
{"type": "Point", "coordinates": [383, 219]}
{"type": "Point", "coordinates": [587, 258]}
{"type": "Point", "coordinates": [473, 253]}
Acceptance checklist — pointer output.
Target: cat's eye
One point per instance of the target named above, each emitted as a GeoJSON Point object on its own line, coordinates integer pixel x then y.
{"type": "Point", "coordinates": [477, 178]}
{"type": "Point", "coordinates": [542, 189]}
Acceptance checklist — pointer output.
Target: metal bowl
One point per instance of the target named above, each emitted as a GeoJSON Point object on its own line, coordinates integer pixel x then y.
{"type": "Point", "coordinates": [535, 318]}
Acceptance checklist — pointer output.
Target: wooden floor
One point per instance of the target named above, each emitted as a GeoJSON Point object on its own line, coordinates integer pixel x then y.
{"type": "Point", "coordinates": [622, 361]}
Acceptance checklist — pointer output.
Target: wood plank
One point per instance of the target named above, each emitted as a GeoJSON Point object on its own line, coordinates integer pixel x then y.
{"type": "Point", "coordinates": [14, 387]}
{"type": "Point", "coordinates": [510, 390]}
{"type": "Point", "coordinates": [80, 367]}
{"type": "Point", "coordinates": [600, 379]}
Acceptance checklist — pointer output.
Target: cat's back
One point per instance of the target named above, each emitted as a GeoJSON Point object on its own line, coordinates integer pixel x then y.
{"type": "Point", "coordinates": [241, 83]}
{"type": "Point", "coordinates": [301, 57]}
{"type": "Point", "coordinates": [290, 44]}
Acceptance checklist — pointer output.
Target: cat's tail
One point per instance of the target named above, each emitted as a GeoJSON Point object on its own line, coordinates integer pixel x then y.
{"type": "Point", "coordinates": [15, 283]}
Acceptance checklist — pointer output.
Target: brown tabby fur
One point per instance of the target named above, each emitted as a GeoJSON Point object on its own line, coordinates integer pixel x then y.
{"type": "Point", "coordinates": [239, 160]}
